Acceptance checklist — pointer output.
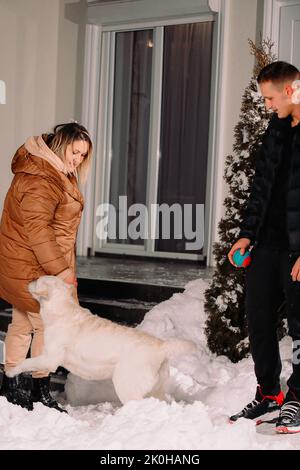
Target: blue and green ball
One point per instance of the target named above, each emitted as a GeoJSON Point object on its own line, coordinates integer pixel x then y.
{"type": "Point", "coordinates": [242, 260]}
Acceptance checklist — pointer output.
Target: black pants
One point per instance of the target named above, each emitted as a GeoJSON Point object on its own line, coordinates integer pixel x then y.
{"type": "Point", "coordinates": [268, 284]}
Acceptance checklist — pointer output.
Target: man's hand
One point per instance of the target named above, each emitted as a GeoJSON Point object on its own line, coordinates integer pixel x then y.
{"type": "Point", "coordinates": [296, 271]}
{"type": "Point", "coordinates": [242, 244]}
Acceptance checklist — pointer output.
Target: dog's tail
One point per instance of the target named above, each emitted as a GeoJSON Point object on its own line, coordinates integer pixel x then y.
{"type": "Point", "coordinates": [176, 347]}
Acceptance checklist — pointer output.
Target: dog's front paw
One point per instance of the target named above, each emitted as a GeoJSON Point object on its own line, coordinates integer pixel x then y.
{"type": "Point", "coordinates": [12, 372]}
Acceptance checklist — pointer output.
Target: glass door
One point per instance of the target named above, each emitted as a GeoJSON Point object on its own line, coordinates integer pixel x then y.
{"type": "Point", "coordinates": [130, 131]}
{"type": "Point", "coordinates": [157, 131]}
{"type": "Point", "coordinates": [184, 135]}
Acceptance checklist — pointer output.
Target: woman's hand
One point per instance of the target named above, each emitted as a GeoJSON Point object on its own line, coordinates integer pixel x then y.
{"type": "Point", "coordinates": [242, 244]}
{"type": "Point", "coordinates": [68, 276]}
{"type": "Point", "coordinates": [71, 279]}
{"type": "Point", "coordinates": [296, 270]}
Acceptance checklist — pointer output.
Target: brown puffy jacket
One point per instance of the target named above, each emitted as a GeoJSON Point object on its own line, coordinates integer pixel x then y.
{"type": "Point", "coordinates": [38, 228]}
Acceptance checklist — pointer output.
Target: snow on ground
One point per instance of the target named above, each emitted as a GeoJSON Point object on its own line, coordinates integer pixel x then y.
{"type": "Point", "coordinates": [204, 391]}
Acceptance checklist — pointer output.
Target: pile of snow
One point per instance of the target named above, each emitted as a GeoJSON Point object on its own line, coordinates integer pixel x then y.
{"type": "Point", "coordinates": [205, 390]}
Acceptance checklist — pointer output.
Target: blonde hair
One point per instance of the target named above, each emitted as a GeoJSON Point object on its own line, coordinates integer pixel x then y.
{"type": "Point", "coordinates": [65, 134]}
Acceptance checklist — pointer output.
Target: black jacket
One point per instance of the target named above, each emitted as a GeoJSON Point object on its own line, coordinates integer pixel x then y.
{"type": "Point", "coordinates": [267, 164]}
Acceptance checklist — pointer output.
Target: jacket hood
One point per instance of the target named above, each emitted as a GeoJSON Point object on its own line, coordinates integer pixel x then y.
{"type": "Point", "coordinates": [26, 162]}
{"type": "Point", "coordinates": [38, 147]}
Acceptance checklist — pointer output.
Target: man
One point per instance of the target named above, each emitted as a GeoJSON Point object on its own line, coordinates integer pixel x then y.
{"type": "Point", "coordinates": [272, 226]}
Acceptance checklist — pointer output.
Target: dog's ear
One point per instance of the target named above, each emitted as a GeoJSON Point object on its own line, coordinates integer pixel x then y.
{"type": "Point", "coordinates": [43, 293]}
{"type": "Point", "coordinates": [41, 289]}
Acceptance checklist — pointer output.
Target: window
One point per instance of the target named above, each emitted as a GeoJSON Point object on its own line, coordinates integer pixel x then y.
{"type": "Point", "coordinates": [157, 132]}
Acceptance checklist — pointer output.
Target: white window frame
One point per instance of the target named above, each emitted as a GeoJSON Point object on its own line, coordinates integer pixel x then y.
{"type": "Point", "coordinates": [106, 110]}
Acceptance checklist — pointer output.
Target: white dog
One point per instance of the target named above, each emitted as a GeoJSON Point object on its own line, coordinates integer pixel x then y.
{"type": "Point", "coordinates": [95, 348]}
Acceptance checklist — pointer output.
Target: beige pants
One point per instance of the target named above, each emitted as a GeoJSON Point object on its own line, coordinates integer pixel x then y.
{"type": "Point", "coordinates": [25, 329]}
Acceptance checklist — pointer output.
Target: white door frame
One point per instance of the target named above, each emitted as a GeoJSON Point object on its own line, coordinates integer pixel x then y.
{"type": "Point", "coordinates": [271, 24]}
{"type": "Point", "coordinates": [90, 104]}
{"type": "Point", "coordinates": [93, 99]}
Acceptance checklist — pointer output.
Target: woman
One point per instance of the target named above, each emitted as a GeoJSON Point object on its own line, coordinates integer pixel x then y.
{"type": "Point", "coordinates": [41, 214]}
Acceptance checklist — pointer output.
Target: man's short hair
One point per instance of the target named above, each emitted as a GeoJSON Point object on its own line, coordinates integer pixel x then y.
{"type": "Point", "coordinates": [278, 72]}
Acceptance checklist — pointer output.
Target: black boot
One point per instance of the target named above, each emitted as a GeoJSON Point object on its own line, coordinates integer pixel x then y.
{"type": "Point", "coordinates": [41, 393]}
{"type": "Point", "coordinates": [14, 390]}
{"type": "Point", "coordinates": [261, 405]}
